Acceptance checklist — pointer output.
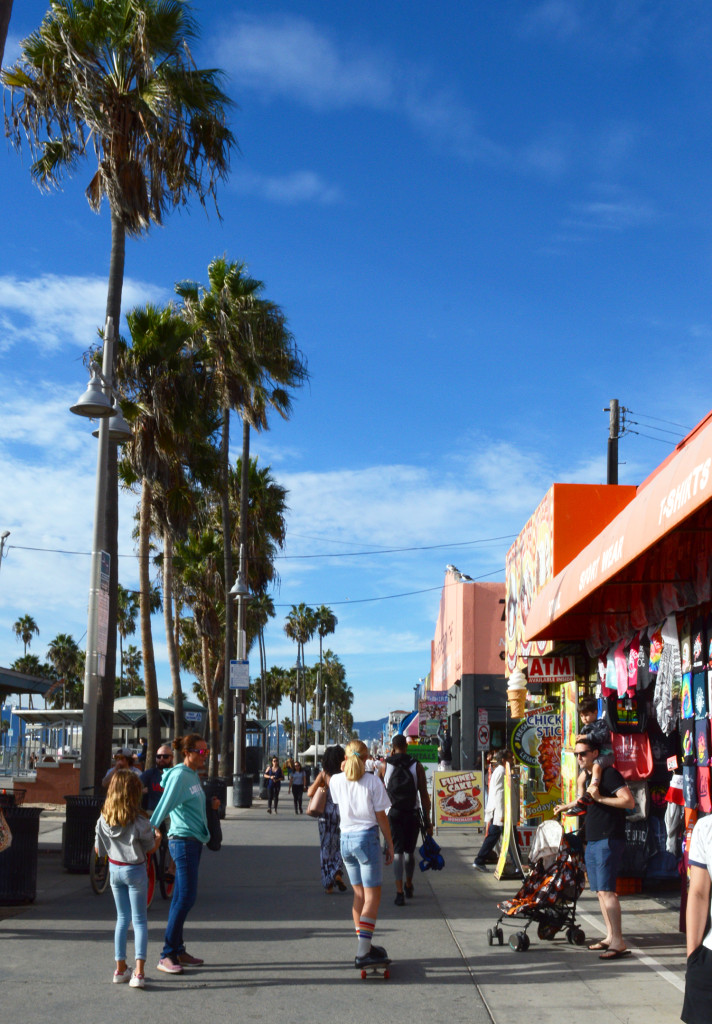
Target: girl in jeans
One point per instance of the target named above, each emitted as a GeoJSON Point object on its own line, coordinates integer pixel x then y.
{"type": "Point", "coordinates": [362, 802]}
{"type": "Point", "coordinates": [124, 834]}
{"type": "Point", "coordinates": [184, 800]}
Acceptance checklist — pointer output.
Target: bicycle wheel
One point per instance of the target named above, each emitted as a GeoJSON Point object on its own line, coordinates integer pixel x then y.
{"type": "Point", "coordinates": [98, 872]}
{"type": "Point", "coordinates": [166, 871]}
{"type": "Point", "coordinates": [151, 871]}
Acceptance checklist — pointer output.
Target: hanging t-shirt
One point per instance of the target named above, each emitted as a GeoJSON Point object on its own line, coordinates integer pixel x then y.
{"type": "Point", "coordinates": [700, 854]}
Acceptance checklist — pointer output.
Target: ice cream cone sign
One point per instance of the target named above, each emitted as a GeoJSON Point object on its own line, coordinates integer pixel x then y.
{"type": "Point", "coordinates": [517, 693]}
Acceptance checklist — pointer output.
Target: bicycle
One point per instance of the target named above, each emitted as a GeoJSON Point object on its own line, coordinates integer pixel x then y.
{"type": "Point", "coordinates": [165, 868]}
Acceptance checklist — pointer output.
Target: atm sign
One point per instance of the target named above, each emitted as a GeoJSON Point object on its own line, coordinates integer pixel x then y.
{"type": "Point", "coordinates": [551, 669]}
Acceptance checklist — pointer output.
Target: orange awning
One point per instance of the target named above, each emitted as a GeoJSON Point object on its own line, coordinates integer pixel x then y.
{"type": "Point", "coordinates": [652, 559]}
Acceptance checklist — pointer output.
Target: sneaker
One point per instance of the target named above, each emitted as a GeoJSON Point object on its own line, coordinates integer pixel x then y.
{"type": "Point", "coordinates": [376, 955]}
{"type": "Point", "coordinates": [269, 810]}
{"type": "Point", "coordinates": [409, 891]}
{"type": "Point", "coordinates": [479, 867]}
{"type": "Point", "coordinates": [168, 967]}
{"type": "Point", "coordinates": [186, 958]}
{"type": "Point", "coordinates": [578, 810]}
{"type": "Point", "coordinates": [137, 981]}
{"type": "Point", "coordinates": [120, 978]}
{"type": "Point", "coordinates": [399, 900]}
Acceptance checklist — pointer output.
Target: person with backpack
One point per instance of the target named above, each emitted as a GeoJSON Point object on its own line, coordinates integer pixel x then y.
{"type": "Point", "coordinates": [405, 782]}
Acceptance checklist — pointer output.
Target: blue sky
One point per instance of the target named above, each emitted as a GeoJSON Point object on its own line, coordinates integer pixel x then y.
{"type": "Point", "coordinates": [482, 225]}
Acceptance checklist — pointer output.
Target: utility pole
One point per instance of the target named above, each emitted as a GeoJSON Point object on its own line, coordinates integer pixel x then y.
{"type": "Point", "coordinates": [613, 433]}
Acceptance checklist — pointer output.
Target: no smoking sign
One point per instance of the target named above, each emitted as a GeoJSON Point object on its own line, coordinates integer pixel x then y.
{"type": "Point", "coordinates": [483, 737]}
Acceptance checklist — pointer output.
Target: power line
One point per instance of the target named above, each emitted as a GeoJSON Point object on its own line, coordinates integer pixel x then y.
{"type": "Point", "coordinates": [662, 430]}
{"type": "Point", "coordinates": [651, 437]}
{"type": "Point", "coordinates": [392, 597]}
{"type": "Point", "coordinates": [670, 423]}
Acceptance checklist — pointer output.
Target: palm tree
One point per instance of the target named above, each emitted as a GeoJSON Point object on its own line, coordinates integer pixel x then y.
{"type": "Point", "coordinates": [252, 362]}
{"type": "Point", "coordinates": [133, 660]}
{"type": "Point", "coordinates": [24, 629]}
{"type": "Point", "coordinates": [5, 13]}
{"type": "Point", "coordinates": [127, 610]}
{"type": "Point", "coordinates": [66, 659]}
{"type": "Point", "coordinates": [116, 77]}
{"type": "Point", "coordinates": [300, 627]}
{"type": "Point", "coordinates": [326, 623]}
{"type": "Point", "coordinates": [156, 373]}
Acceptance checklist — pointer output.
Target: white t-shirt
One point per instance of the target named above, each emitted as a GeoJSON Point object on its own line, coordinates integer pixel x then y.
{"type": "Point", "coordinates": [701, 856]}
{"type": "Point", "coordinates": [358, 801]}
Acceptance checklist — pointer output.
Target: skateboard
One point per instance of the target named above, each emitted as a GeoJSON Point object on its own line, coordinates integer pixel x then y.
{"type": "Point", "coordinates": [380, 970]}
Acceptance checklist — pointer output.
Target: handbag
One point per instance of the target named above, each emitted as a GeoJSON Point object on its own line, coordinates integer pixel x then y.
{"type": "Point", "coordinates": [633, 755]}
{"type": "Point", "coordinates": [5, 833]}
{"type": "Point", "coordinates": [317, 803]}
{"type": "Point", "coordinates": [214, 828]}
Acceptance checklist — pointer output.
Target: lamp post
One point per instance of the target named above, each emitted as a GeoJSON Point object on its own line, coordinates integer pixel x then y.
{"type": "Point", "coordinates": [240, 591]}
{"type": "Point", "coordinates": [96, 403]}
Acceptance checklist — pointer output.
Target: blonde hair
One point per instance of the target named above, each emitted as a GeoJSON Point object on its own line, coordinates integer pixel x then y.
{"type": "Point", "coordinates": [123, 799]}
{"type": "Point", "coordinates": [356, 754]}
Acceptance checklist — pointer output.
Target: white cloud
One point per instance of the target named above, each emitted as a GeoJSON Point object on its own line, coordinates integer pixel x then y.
{"type": "Point", "coordinates": [298, 187]}
{"type": "Point", "coordinates": [54, 311]}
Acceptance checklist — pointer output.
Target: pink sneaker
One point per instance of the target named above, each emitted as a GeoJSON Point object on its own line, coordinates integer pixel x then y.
{"type": "Point", "coordinates": [120, 978]}
{"type": "Point", "coordinates": [168, 967]}
{"type": "Point", "coordinates": [186, 958]}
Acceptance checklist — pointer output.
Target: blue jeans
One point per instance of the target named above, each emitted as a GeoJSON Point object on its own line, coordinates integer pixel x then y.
{"type": "Point", "coordinates": [361, 852]}
{"type": "Point", "coordinates": [129, 884]}
{"type": "Point", "coordinates": [186, 857]}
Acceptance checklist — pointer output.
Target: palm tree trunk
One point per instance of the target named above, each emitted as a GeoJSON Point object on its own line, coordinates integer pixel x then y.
{"type": "Point", "coordinates": [210, 685]}
{"type": "Point", "coordinates": [227, 546]}
{"type": "Point", "coordinates": [178, 712]}
{"type": "Point", "coordinates": [105, 700]}
{"type": "Point", "coordinates": [5, 12]}
{"type": "Point", "coordinates": [150, 682]}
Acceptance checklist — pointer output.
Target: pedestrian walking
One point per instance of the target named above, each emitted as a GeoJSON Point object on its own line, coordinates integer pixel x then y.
{"type": "Point", "coordinates": [605, 841]}
{"type": "Point", "coordinates": [697, 1007]}
{"type": "Point", "coordinates": [332, 865]}
{"type": "Point", "coordinates": [407, 788]}
{"type": "Point", "coordinates": [297, 781]}
{"type": "Point", "coordinates": [362, 801]}
{"type": "Point", "coordinates": [184, 800]}
{"type": "Point", "coordinates": [125, 835]}
{"type": "Point", "coordinates": [275, 778]}
{"type": "Point", "coordinates": [494, 812]}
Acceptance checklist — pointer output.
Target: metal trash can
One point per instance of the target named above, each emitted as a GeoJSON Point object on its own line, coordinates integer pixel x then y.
{"type": "Point", "coordinates": [18, 864]}
{"type": "Point", "coordinates": [216, 787]}
{"type": "Point", "coordinates": [242, 791]}
{"type": "Point", "coordinates": [78, 833]}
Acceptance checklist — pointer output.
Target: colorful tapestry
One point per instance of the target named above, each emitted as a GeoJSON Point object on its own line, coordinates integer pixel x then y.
{"type": "Point", "coordinates": [686, 696]}
{"type": "Point", "coordinates": [699, 694]}
{"type": "Point", "coordinates": [702, 742]}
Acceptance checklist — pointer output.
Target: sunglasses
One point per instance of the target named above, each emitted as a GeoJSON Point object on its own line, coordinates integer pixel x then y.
{"type": "Point", "coordinates": [163, 757]}
{"type": "Point", "coordinates": [199, 750]}
{"type": "Point", "coordinates": [581, 753]}
{"type": "Point", "coordinates": [121, 757]}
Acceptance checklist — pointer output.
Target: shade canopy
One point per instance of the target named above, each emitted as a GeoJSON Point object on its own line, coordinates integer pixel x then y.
{"type": "Point", "coordinates": [19, 682]}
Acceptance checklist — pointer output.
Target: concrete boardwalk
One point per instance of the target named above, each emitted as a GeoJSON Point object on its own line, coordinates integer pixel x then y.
{"type": "Point", "coordinates": [278, 950]}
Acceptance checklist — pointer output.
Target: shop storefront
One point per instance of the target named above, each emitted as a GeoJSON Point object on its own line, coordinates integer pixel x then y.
{"type": "Point", "coordinates": [633, 608]}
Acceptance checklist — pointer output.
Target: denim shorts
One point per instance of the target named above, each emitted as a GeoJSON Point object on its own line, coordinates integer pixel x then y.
{"type": "Point", "coordinates": [603, 861]}
{"type": "Point", "coordinates": [361, 852]}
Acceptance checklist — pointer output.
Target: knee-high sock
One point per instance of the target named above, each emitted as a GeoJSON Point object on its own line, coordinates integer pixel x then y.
{"type": "Point", "coordinates": [398, 866]}
{"type": "Point", "coordinates": [365, 934]}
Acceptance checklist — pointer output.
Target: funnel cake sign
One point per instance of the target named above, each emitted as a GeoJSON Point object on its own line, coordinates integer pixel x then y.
{"type": "Point", "coordinates": [457, 799]}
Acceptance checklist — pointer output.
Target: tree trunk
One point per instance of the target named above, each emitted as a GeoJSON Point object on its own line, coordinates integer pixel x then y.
{"type": "Point", "coordinates": [178, 712]}
{"type": "Point", "coordinates": [211, 695]}
{"type": "Point", "coordinates": [105, 700]}
{"type": "Point", "coordinates": [5, 12]}
{"type": "Point", "coordinates": [228, 701]}
{"type": "Point", "coordinates": [153, 719]}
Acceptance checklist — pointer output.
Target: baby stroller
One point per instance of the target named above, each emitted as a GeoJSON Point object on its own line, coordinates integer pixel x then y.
{"type": "Point", "coordinates": [549, 893]}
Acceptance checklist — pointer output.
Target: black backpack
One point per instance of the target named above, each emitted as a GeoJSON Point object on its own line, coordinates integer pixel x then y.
{"type": "Point", "coordinates": [401, 786]}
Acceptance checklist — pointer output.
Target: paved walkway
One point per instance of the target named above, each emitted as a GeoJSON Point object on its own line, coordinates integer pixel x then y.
{"type": "Point", "coordinates": [279, 950]}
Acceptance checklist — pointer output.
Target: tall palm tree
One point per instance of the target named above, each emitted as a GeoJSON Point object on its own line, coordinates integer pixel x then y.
{"type": "Point", "coordinates": [116, 78]}
{"type": "Point", "coordinates": [300, 627]}
{"type": "Point", "coordinates": [127, 610]}
{"type": "Point", "coordinates": [326, 623]}
{"type": "Point", "coordinates": [156, 373]}
{"type": "Point", "coordinates": [260, 609]}
{"type": "Point", "coordinates": [24, 629]}
{"type": "Point", "coordinates": [5, 13]}
{"type": "Point", "coordinates": [66, 659]}
{"type": "Point", "coordinates": [252, 362]}
{"type": "Point", "coordinates": [133, 660]}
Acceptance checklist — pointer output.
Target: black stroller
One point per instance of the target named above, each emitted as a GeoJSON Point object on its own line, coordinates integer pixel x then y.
{"type": "Point", "coordinates": [549, 893]}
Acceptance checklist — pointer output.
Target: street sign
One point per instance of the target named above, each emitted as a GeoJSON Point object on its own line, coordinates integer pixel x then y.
{"type": "Point", "coordinates": [482, 716]}
{"type": "Point", "coordinates": [316, 725]}
{"type": "Point", "coordinates": [193, 716]}
{"type": "Point", "coordinates": [239, 675]}
{"type": "Point", "coordinates": [483, 737]}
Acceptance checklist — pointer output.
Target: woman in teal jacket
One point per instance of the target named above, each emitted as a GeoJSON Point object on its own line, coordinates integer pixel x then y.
{"type": "Point", "coordinates": [184, 800]}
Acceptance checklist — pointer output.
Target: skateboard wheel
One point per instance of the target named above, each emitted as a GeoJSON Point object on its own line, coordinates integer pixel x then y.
{"type": "Point", "coordinates": [386, 974]}
{"type": "Point", "coordinates": [364, 975]}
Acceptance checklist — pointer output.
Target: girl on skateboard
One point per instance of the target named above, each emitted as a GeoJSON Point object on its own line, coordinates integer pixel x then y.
{"type": "Point", "coordinates": [362, 801]}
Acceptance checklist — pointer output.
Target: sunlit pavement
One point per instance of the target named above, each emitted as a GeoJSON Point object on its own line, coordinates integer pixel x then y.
{"type": "Point", "coordinates": [278, 949]}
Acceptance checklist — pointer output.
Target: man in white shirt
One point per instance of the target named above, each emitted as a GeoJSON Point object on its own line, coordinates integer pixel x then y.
{"type": "Point", "coordinates": [697, 1008]}
{"type": "Point", "coordinates": [494, 812]}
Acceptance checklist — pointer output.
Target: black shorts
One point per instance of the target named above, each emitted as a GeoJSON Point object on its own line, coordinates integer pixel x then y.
{"type": "Point", "coordinates": [697, 1008]}
{"type": "Point", "coordinates": [405, 829]}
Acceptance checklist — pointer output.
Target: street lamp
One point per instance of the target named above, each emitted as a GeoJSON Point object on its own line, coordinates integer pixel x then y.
{"type": "Point", "coordinates": [96, 403]}
{"type": "Point", "coordinates": [239, 590]}
{"type": "Point", "coordinates": [3, 537]}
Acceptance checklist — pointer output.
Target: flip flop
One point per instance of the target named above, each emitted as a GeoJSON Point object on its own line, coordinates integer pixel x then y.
{"type": "Point", "coordinates": [614, 954]}
{"type": "Point", "coordinates": [599, 945]}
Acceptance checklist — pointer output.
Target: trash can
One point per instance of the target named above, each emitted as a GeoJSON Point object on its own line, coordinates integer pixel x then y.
{"type": "Point", "coordinates": [242, 791]}
{"type": "Point", "coordinates": [78, 835]}
{"type": "Point", "coordinates": [11, 797]}
{"type": "Point", "coordinates": [18, 864]}
{"type": "Point", "coordinates": [216, 787]}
